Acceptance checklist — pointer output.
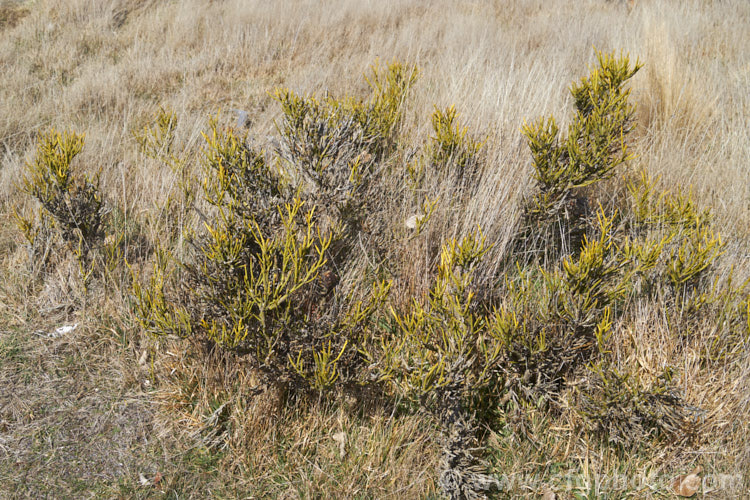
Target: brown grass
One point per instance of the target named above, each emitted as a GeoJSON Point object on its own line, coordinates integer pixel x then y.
{"type": "Point", "coordinates": [80, 417]}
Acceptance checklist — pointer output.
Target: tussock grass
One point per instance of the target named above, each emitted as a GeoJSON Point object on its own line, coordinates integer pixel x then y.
{"type": "Point", "coordinates": [271, 446]}
{"type": "Point", "coordinates": [89, 414]}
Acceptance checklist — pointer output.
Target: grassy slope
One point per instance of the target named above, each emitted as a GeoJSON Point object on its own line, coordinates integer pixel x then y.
{"type": "Point", "coordinates": [78, 418]}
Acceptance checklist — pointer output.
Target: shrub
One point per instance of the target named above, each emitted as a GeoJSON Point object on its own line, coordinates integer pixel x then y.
{"type": "Point", "coordinates": [593, 148]}
{"type": "Point", "coordinates": [560, 306]}
{"type": "Point", "coordinates": [332, 148]}
{"type": "Point", "coordinates": [446, 355]}
{"type": "Point", "coordinates": [552, 322]}
{"type": "Point", "coordinates": [157, 140]}
{"type": "Point", "coordinates": [260, 276]}
{"type": "Point", "coordinates": [622, 408]}
{"type": "Point", "coordinates": [74, 202]}
{"type": "Point", "coordinates": [451, 146]}
{"type": "Point", "coordinates": [260, 279]}
{"type": "Point", "coordinates": [551, 318]}
{"type": "Point", "coordinates": [688, 242]}
{"type": "Point", "coordinates": [443, 353]}
{"type": "Point", "coordinates": [72, 205]}
{"type": "Point", "coordinates": [38, 231]}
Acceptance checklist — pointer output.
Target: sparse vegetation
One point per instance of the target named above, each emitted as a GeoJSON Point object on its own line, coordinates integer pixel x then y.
{"type": "Point", "coordinates": [360, 291]}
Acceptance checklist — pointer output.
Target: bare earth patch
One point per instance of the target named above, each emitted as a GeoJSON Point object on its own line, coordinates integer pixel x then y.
{"type": "Point", "coordinates": [69, 424]}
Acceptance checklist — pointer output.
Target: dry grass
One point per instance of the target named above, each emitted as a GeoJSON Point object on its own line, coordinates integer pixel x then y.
{"type": "Point", "coordinates": [76, 417]}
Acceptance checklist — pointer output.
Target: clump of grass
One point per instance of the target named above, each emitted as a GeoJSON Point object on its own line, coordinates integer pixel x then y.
{"type": "Point", "coordinates": [11, 15]}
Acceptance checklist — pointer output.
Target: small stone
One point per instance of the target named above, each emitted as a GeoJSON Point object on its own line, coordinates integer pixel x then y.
{"type": "Point", "coordinates": [413, 221]}
{"type": "Point", "coordinates": [548, 494]}
{"type": "Point", "coordinates": [340, 438]}
{"type": "Point", "coordinates": [687, 485]}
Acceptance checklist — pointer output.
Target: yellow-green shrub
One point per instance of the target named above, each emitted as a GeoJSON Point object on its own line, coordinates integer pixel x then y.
{"type": "Point", "coordinates": [443, 353]}
{"type": "Point", "coordinates": [260, 274]}
{"type": "Point", "coordinates": [451, 147]}
{"type": "Point", "coordinates": [446, 355]}
{"type": "Point", "coordinates": [73, 201]}
{"type": "Point", "coordinates": [257, 279]}
{"type": "Point", "coordinates": [593, 148]}
{"type": "Point", "coordinates": [629, 412]}
{"type": "Point", "coordinates": [332, 148]}
{"type": "Point", "coordinates": [157, 140]}
{"type": "Point", "coordinates": [574, 277]}
{"type": "Point", "coordinates": [689, 245]}
{"type": "Point", "coordinates": [72, 205]}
